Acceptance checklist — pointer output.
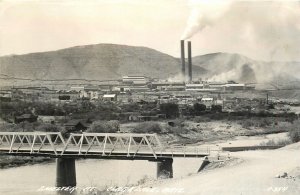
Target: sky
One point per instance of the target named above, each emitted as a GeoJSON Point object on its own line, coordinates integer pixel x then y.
{"type": "Point", "coordinates": [262, 30]}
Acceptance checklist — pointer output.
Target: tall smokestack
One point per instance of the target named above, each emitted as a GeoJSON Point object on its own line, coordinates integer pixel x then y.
{"type": "Point", "coordinates": [190, 72]}
{"type": "Point", "coordinates": [182, 59]}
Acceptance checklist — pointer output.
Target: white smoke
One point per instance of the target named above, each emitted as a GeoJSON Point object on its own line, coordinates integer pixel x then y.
{"type": "Point", "coordinates": [226, 76]}
{"type": "Point", "coordinates": [261, 30]}
{"type": "Point", "coordinates": [204, 13]}
{"type": "Point", "coordinates": [176, 78]}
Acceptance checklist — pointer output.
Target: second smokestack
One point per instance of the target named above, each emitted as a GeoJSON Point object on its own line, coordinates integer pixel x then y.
{"type": "Point", "coordinates": [190, 71]}
{"type": "Point", "coordinates": [182, 59]}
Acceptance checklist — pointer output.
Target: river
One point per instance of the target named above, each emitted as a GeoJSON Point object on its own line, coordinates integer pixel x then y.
{"type": "Point", "coordinates": [27, 180]}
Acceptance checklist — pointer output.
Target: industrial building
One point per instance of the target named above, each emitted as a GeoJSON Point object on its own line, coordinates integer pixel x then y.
{"type": "Point", "coordinates": [141, 80]}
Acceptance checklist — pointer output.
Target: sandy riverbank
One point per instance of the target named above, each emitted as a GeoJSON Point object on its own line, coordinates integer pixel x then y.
{"type": "Point", "coordinates": [255, 175]}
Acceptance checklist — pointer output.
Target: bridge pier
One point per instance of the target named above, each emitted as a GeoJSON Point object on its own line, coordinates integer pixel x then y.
{"type": "Point", "coordinates": [65, 172]}
{"type": "Point", "coordinates": [204, 163]}
{"type": "Point", "coordinates": [165, 168]}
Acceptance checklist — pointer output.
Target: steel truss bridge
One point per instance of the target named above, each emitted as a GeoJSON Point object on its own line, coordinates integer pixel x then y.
{"type": "Point", "coordinates": [122, 146]}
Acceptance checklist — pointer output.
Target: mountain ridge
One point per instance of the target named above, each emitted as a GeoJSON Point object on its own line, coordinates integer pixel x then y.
{"type": "Point", "coordinates": [112, 61]}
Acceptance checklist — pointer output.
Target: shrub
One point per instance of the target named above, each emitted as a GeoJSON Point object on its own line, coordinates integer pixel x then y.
{"type": "Point", "coordinates": [256, 122]}
{"type": "Point", "coordinates": [177, 122]}
{"type": "Point", "coordinates": [27, 126]}
{"type": "Point", "coordinates": [143, 180]}
{"type": "Point", "coordinates": [281, 142]}
{"type": "Point", "coordinates": [217, 116]}
{"type": "Point", "coordinates": [294, 132]}
{"type": "Point", "coordinates": [284, 142]}
{"type": "Point", "coordinates": [169, 109]}
{"type": "Point", "coordinates": [148, 127]}
{"type": "Point", "coordinates": [8, 127]}
{"type": "Point", "coordinates": [104, 126]}
{"type": "Point", "coordinates": [295, 135]}
{"type": "Point", "coordinates": [48, 128]}
{"type": "Point", "coordinates": [177, 130]}
{"type": "Point", "coordinates": [97, 115]}
{"type": "Point", "coordinates": [199, 107]}
{"type": "Point", "coordinates": [271, 106]}
{"type": "Point", "coordinates": [247, 124]}
{"type": "Point", "coordinates": [216, 108]}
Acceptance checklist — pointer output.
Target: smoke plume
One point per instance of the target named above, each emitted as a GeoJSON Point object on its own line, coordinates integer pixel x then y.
{"type": "Point", "coordinates": [268, 30]}
{"type": "Point", "coordinates": [261, 30]}
{"type": "Point", "coordinates": [204, 13]}
{"type": "Point", "coordinates": [176, 78]}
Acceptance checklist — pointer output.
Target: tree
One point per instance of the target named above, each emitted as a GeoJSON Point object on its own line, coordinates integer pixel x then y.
{"type": "Point", "coordinates": [199, 107]}
{"type": "Point", "coordinates": [169, 109]}
{"type": "Point", "coordinates": [271, 106]}
{"type": "Point", "coordinates": [216, 108]}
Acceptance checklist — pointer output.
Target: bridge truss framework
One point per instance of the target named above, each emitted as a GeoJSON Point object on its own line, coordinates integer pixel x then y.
{"type": "Point", "coordinates": [93, 145]}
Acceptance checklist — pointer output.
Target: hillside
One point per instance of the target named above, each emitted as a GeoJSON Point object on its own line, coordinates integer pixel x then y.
{"type": "Point", "coordinates": [100, 62]}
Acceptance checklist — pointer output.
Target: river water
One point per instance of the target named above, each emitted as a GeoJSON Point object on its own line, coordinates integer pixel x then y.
{"type": "Point", "coordinates": [27, 180]}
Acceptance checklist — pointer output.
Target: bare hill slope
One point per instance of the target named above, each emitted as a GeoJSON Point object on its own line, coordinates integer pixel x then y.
{"type": "Point", "coordinates": [101, 62]}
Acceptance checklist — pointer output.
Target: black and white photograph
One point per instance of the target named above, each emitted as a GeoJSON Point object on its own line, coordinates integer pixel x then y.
{"type": "Point", "coordinates": [149, 97]}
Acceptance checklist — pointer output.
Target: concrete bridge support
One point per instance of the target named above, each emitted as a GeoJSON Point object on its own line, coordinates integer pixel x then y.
{"type": "Point", "coordinates": [65, 172]}
{"type": "Point", "coordinates": [204, 163]}
{"type": "Point", "coordinates": [165, 168]}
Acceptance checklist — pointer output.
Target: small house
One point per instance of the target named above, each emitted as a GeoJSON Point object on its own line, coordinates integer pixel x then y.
{"type": "Point", "coordinates": [110, 97]}
{"type": "Point", "coordinates": [207, 101]}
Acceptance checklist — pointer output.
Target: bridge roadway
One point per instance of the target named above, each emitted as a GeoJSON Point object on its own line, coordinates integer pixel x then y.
{"type": "Point", "coordinates": [121, 146]}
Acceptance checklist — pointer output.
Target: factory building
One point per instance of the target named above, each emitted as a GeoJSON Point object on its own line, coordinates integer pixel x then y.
{"type": "Point", "coordinates": [235, 86]}
{"type": "Point", "coordinates": [138, 80]}
{"type": "Point", "coordinates": [166, 85]}
{"type": "Point", "coordinates": [194, 87]}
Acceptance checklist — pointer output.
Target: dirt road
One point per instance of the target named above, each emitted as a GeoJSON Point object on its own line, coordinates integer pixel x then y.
{"type": "Point", "coordinates": [256, 175]}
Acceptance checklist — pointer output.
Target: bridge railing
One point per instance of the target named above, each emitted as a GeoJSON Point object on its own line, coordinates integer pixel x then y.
{"type": "Point", "coordinates": [186, 150]}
